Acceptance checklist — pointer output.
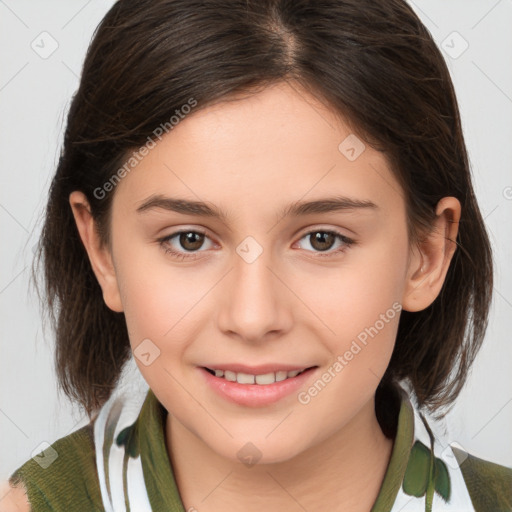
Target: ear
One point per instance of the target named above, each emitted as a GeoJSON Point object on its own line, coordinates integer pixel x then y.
{"type": "Point", "coordinates": [99, 256]}
{"type": "Point", "coordinates": [430, 259]}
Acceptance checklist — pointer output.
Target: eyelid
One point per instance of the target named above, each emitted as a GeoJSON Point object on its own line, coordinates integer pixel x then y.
{"type": "Point", "coordinates": [320, 227]}
{"type": "Point", "coordinates": [186, 229]}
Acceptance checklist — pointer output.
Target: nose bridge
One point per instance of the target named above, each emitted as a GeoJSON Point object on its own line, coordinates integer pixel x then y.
{"type": "Point", "coordinates": [254, 304]}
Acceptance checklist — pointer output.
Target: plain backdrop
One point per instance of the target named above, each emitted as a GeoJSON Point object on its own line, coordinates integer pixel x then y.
{"type": "Point", "coordinates": [37, 80]}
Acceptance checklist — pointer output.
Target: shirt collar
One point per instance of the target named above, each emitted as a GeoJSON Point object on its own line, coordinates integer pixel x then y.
{"type": "Point", "coordinates": [149, 436]}
{"type": "Point", "coordinates": [158, 474]}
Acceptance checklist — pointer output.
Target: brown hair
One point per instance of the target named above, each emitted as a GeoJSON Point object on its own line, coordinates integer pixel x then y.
{"type": "Point", "coordinates": [372, 61]}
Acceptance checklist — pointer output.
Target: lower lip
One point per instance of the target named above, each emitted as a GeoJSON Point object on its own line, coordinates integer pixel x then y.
{"type": "Point", "coordinates": [255, 395]}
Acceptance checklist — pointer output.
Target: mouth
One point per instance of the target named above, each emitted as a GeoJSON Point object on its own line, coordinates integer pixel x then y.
{"type": "Point", "coordinates": [256, 386]}
{"type": "Point", "coordinates": [262, 379]}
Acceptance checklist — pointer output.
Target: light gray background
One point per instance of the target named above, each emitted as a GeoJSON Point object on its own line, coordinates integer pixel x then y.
{"type": "Point", "coordinates": [34, 96]}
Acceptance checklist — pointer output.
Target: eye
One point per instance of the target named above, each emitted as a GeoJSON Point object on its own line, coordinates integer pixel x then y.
{"type": "Point", "coordinates": [189, 241]}
{"type": "Point", "coordinates": [322, 240]}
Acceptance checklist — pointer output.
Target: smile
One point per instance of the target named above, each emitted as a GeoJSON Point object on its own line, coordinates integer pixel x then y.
{"type": "Point", "coordinates": [256, 386]}
{"type": "Point", "coordinates": [261, 379]}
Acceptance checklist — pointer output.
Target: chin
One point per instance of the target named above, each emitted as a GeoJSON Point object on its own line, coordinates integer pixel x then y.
{"type": "Point", "coordinates": [256, 450]}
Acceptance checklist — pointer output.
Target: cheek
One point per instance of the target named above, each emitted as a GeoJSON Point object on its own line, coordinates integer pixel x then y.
{"type": "Point", "coordinates": [155, 296]}
{"type": "Point", "coordinates": [357, 305]}
{"type": "Point", "coordinates": [157, 308]}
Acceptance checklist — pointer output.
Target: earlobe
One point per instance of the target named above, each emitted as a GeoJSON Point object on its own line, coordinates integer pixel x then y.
{"type": "Point", "coordinates": [100, 256]}
{"type": "Point", "coordinates": [431, 257]}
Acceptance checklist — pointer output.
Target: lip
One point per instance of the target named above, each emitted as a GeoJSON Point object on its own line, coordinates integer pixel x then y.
{"type": "Point", "coordinates": [256, 395]}
{"type": "Point", "coordinates": [256, 370]}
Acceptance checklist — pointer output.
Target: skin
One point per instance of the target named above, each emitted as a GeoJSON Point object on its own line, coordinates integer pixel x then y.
{"type": "Point", "coordinates": [251, 158]}
{"type": "Point", "coordinates": [13, 499]}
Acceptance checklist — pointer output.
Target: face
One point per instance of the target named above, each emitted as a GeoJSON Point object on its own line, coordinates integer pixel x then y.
{"type": "Point", "coordinates": [256, 282]}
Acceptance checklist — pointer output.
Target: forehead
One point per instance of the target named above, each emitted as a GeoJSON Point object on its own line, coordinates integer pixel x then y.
{"type": "Point", "coordinates": [264, 151]}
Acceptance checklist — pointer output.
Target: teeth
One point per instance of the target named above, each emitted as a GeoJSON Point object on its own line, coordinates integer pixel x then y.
{"type": "Point", "coordinates": [244, 378]}
{"type": "Point", "coordinates": [231, 376]}
{"type": "Point", "coordinates": [266, 378]}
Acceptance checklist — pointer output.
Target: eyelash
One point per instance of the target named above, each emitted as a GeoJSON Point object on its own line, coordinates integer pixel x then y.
{"type": "Point", "coordinates": [348, 242]}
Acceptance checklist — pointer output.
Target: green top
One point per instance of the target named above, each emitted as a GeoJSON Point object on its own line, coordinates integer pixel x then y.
{"type": "Point", "coordinates": [415, 472]}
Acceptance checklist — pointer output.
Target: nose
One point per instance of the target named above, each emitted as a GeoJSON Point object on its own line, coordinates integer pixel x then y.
{"type": "Point", "coordinates": [254, 303]}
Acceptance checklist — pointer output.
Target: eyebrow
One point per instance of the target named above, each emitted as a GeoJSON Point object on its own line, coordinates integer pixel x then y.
{"type": "Point", "coordinates": [297, 208]}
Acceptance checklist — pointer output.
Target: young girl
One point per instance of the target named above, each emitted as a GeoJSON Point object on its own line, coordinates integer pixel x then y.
{"type": "Point", "coordinates": [269, 204]}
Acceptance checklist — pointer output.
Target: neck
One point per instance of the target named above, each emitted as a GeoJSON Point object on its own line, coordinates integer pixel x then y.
{"type": "Point", "coordinates": [343, 472]}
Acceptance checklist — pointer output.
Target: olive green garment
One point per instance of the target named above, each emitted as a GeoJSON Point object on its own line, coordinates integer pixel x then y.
{"type": "Point", "coordinates": [70, 482]}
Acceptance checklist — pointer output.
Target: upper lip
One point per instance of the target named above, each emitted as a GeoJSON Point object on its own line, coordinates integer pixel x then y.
{"type": "Point", "coordinates": [257, 370]}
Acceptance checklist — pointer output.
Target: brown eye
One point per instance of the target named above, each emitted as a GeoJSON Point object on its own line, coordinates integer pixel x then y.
{"type": "Point", "coordinates": [185, 244]}
{"type": "Point", "coordinates": [191, 240]}
{"type": "Point", "coordinates": [322, 240]}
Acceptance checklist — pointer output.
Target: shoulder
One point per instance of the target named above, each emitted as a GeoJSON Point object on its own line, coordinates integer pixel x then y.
{"type": "Point", "coordinates": [13, 499]}
{"type": "Point", "coordinates": [489, 484]}
{"type": "Point", "coordinates": [62, 477]}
